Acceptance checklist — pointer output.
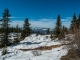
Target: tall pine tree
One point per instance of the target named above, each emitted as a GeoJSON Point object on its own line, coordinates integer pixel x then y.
{"type": "Point", "coordinates": [62, 33]}
{"type": "Point", "coordinates": [58, 26]}
{"type": "Point", "coordinates": [78, 22]}
{"type": "Point", "coordinates": [73, 23]}
{"type": "Point", "coordinates": [5, 25]}
{"type": "Point", "coordinates": [26, 28]}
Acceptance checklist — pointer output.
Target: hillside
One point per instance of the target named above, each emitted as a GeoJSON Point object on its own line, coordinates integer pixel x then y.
{"type": "Point", "coordinates": [32, 42]}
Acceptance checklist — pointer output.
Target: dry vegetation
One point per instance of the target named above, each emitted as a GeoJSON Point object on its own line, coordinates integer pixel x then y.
{"type": "Point", "coordinates": [74, 51]}
{"type": "Point", "coordinates": [74, 54]}
{"type": "Point", "coordinates": [43, 48]}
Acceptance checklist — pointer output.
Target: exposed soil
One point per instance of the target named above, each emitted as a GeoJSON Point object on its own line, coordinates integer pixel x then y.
{"type": "Point", "coordinates": [43, 48]}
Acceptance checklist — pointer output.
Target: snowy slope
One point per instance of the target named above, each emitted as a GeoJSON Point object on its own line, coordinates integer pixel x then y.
{"type": "Point", "coordinates": [34, 41]}
{"type": "Point", "coordinates": [31, 42]}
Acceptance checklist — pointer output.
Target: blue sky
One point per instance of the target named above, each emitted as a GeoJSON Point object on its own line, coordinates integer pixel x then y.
{"type": "Point", "coordinates": [41, 13]}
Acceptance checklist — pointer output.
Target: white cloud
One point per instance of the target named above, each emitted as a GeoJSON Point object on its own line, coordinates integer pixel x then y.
{"type": "Point", "coordinates": [14, 17]}
{"type": "Point", "coordinates": [14, 23]}
{"type": "Point", "coordinates": [48, 23]}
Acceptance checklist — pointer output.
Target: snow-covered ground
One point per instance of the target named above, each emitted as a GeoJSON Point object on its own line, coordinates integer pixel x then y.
{"type": "Point", "coordinates": [31, 42]}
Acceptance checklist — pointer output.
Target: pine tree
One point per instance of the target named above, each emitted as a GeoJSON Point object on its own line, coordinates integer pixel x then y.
{"type": "Point", "coordinates": [5, 25]}
{"type": "Point", "coordinates": [58, 26]}
{"type": "Point", "coordinates": [73, 23]}
{"type": "Point", "coordinates": [37, 33]}
{"type": "Point", "coordinates": [26, 28]}
{"type": "Point", "coordinates": [78, 22]}
{"type": "Point", "coordinates": [17, 40]}
{"type": "Point", "coordinates": [62, 33]}
{"type": "Point", "coordinates": [48, 31]}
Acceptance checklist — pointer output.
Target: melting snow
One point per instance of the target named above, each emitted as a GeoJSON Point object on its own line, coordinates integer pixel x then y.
{"type": "Point", "coordinates": [34, 41]}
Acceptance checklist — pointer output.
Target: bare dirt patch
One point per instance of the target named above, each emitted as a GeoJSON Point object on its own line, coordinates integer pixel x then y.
{"type": "Point", "coordinates": [42, 48]}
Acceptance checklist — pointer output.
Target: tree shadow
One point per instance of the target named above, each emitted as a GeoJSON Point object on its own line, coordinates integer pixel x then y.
{"type": "Point", "coordinates": [29, 43]}
{"type": "Point", "coordinates": [25, 43]}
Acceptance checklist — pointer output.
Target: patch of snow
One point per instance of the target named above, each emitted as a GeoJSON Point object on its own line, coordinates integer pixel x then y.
{"type": "Point", "coordinates": [31, 42]}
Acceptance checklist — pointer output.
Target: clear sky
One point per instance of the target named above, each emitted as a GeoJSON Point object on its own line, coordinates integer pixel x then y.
{"type": "Point", "coordinates": [41, 11]}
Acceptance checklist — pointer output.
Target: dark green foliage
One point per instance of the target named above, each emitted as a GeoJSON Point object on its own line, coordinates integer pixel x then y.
{"type": "Point", "coordinates": [66, 30]}
{"type": "Point", "coordinates": [26, 29]}
{"type": "Point", "coordinates": [13, 29]}
{"type": "Point", "coordinates": [4, 26]}
{"type": "Point", "coordinates": [17, 40]}
{"type": "Point", "coordinates": [4, 50]}
{"type": "Point", "coordinates": [51, 36]}
{"type": "Point", "coordinates": [74, 19]}
{"type": "Point", "coordinates": [1, 30]}
{"type": "Point", "coordinates": [73, 23]}
{"type": "Point", "coordinates": [62, 33]}
{"type": "Point", "coordinates": [48, 31]}
{"type": "Point", "coordinates": [33, 32]}
{"type": "Point", "coordinates": [57, 28]}
{"type": "Point", "coordinates": [78, 22]}
{"type": "Point", "coordinates": [37, 33]}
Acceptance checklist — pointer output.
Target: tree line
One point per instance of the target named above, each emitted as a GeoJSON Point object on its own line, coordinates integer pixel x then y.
{"type": "Point", "coordinates": [60, 31]}
{"type": "Point", "coordinates": [5, 29]}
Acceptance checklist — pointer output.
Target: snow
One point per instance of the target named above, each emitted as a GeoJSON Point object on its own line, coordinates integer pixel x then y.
{"type": "Point", "coordinates": [31, 42]}
{"type": "Point", "coordinates": [34, 41]}
{"type": "Point", "coordinates": [53, 54]}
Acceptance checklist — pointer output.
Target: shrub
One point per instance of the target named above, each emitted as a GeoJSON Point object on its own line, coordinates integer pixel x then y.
{"type": "Point", "coordinates": [61, 36]}
{"type": "Point", "coordinates": [4, 50]}
{"type": "Point", "coordinates": [46, 37]}
{"type": "Point", "coordinates": [16, 40]}
{"type": "Point", "coordinates": [36, 52]}
{"type": "Point", "coordinates": [52, 37]}
{"type": "Point", "coordinates": [74, 54]}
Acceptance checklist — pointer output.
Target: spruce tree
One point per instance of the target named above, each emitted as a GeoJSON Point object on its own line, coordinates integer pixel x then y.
{"type": "Point", "coordinates": [5, 25]}
{"type": "Point", "coordinates": [73, 23]}
{"type": "Point", "coordinates": [48, 31]}
{"type": "Point", "coordinates": [17, 40]}
{"type": "Point", "coordinates": [62, 33]}
{"type": "Point", "coordinates": [78, 22]}
{"type": "Point", "coordinates": [58, 26]}
{"type": "Point", "coordinates": [37, 32]}
{"type": "Point", "coordinates": [26, 28]}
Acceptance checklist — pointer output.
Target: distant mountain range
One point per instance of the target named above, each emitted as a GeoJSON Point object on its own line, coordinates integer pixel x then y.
{"type": "Point", "coordinates": [42, 30]}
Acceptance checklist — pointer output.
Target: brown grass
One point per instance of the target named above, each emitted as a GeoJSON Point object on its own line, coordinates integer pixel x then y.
{"type": "Point", "coordinates": [75, 54]}
{"type": "Point", "coordinates": [42, 48]}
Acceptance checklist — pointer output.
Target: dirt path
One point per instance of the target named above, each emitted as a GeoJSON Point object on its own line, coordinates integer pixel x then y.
{"type": "Point", "coordinates": [43, 48]}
